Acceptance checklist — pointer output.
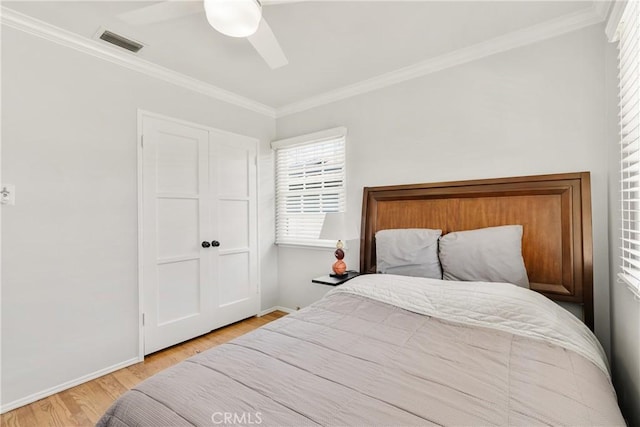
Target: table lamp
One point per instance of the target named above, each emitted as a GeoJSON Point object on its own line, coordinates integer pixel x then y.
{"type": "Point", "coordinates": [336, 227]}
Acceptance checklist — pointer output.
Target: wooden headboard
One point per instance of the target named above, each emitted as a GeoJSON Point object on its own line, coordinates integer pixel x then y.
{"type": "Point", "coordinates": [554, 210]}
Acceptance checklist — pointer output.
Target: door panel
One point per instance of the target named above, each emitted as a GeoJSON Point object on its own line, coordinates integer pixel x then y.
{"type": "Point", "coordinates": [234, 274]}
{"type": "Point", "coordinates": [178, 228]}
{"type": "Point", "coordinates": [178, 300]}
{"type": "Point", "coordinates": [179, 285]}
{"type": "Point", "coordinates": [235, 233]}
{"type": "Point", "coordinates": [233, 160]}
{"type": "Point", "coordinates": [233, 170]}
{"type": "Point", "coordinates": [177, 163]}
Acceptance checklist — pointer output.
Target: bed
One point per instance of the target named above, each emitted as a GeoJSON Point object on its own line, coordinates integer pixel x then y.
{"type": "Point", "coordinates": [386, 349]}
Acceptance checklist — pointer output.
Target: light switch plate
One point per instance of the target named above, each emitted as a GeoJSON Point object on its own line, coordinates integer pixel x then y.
{"type": "Point", "coordinates": [8, 194]}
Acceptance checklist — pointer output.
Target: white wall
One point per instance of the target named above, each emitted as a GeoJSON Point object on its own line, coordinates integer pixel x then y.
{"type": "Point", "coordinates": [535, 110]}
{"type": "Point", "coordinates": [68, 143]}
{"type": "Point", "coordinates": [625, 308]}
{"type": "Point", "coordinates": [69, 259]}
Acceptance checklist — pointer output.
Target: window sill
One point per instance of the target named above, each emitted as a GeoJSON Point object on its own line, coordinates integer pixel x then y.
{"type": "Point", "coordinates": [320, 246]}
{"type": "Point", "coordinates": [316, 247]}
{"type": "Point", "coordinates": [633, 288]}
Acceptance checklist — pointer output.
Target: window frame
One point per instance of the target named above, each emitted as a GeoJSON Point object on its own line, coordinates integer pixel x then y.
{"type": "Point", "coordinates": [298, 142]}
{"type": "Point", "coordinates": [626, 17]}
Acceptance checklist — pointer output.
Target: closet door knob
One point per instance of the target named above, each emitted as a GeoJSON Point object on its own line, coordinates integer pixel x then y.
{"type": "Point", "coordinates": [215, 243]}
{"type": "Point", "coordinates": [205, 244]}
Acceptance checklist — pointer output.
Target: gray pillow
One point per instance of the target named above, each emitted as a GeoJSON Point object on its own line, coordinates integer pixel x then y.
{"type": "Point", "coordinates": [409, 252]}
{"type": "Point", "coordinates": [491, 254]}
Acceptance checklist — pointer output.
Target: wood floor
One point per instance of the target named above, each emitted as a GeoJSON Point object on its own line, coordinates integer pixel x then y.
{"type": "Point", "coordinates": [83, 405]}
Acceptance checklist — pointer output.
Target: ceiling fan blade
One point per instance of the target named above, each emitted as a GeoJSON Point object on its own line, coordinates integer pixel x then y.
{"type": "Point", "coordinates": [265, 42]}
{"type": "Point", "coordinates": [160, 12]}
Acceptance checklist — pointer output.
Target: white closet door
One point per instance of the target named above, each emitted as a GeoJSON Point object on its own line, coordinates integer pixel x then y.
{"type": "Point", "coordinates": [234, 220]}
{"type": "Point", "coordinates": [176, 269]}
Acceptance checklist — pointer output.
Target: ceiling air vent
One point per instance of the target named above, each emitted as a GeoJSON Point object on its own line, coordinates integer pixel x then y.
{"type": "Point", "coordinates": [120, 41]}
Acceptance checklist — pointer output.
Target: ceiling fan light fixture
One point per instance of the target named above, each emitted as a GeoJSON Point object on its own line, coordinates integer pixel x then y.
{"type": "Point", "coordinates": [235, 18]}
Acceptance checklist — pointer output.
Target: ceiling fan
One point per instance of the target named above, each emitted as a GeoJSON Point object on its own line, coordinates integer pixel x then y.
{"type": "Point", "coordinates": [235, 18]}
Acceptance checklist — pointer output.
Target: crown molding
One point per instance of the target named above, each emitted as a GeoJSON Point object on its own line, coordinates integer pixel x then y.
{"type": "Point", "coordinates": [611, 29]}
{"type": "Point", "coordinates": [30, 25]}
{"type": "Point", "coordinates": [546, 30]}
{"type": "Point", "coordinates": [602, 7]}
{"type": "Point", "coordinates": [597, 13]}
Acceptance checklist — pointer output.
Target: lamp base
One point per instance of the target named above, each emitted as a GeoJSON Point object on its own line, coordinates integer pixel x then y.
{"type": "Point", "coordinates": [339, 276]}
{"type": "Point", "coordinates": [339, 267]}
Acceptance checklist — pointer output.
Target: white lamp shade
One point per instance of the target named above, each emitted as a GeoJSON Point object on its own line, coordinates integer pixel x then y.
{"type": "Point", "coordinates": [235, 18]}
{"type": "Point", "coordinates": [337, 227]}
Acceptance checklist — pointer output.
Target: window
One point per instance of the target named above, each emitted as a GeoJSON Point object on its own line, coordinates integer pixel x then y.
{"type": "Point", "coordinates": [629, 75]}
{"type": "Point", "coordinates": [310, 181]}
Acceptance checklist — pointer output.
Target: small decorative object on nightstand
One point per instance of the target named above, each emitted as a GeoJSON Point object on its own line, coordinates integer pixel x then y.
{"type": "Point", "coordinates": [336, 227]}
{"type": "Point", "coordinates": [332, 280]}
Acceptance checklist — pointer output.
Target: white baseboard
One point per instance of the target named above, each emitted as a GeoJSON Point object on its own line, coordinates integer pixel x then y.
{"type": "Point", "coordinates": [83, 379]}
{"type": "Point", "coordinates": [66, 385]}
{"type": "Point", "coordinates": [276, 308]}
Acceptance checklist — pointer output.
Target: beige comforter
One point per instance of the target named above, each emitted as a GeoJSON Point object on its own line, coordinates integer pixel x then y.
{"type": "Point", "coordinates": [354, 358]}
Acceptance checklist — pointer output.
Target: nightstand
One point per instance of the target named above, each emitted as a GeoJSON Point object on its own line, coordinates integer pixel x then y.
{"type": "Point", "coordinates": [335, 281]}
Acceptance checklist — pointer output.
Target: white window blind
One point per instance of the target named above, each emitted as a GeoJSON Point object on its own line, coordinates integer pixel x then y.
{"type": "Point", "coordinates": [629, 79]}
{"type": "Point", "coordinates": [310, 181]}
